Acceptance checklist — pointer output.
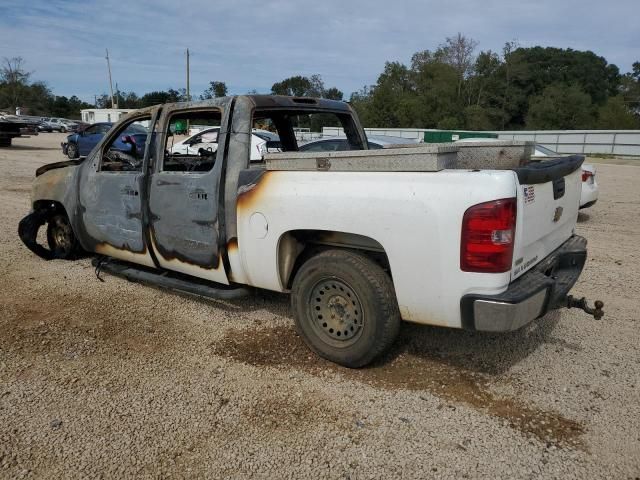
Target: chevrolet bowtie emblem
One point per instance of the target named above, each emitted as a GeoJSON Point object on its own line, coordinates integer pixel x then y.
{"type": "Point", "coordinates": [558, 214]}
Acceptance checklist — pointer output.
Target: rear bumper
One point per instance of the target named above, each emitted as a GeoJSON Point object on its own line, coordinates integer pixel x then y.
{"type": "Point", "coordinates": [541, 289]}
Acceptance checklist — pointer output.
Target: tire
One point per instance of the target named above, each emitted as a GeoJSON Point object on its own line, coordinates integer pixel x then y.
{"type": "Point", "coordinates": [61, 239]}
{"type": "Point", "coordinates": [5, 142]}
{"type": "Point", "coordinates": [345, 307]}
{"type": "Point", "coordinates": [72, 151]}
{"type": "Point", "coordinates": [63, 130]}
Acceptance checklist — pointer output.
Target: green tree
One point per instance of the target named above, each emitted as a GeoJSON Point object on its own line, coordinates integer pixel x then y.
{"type": "Point", "coordinates": [361, 103]}
{"type": "Point", "coordinates": [458, 53]}
{"type": "Point", "coordinates": [436, 100]}
{"type": "Point", "coordinates": [14, 81]}
{"type": "Point", "coordinates": [161, 96]}
{"type": "Point", "coordinates": [297, 86]}
{"type": "Point", "coordinates": [215, 89]}
{"type": "Point", "coordinates": [560, 107]}
{"type": "Point", "coordinates": [630, 89]}
{"type": "Point", "coordinates": [616, 115]}
{"type": "Point", "coordinates": [392, 98]}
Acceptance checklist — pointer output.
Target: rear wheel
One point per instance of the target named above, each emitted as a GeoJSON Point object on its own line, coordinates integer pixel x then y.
{"type": "Point", "coordinates": [345, 307]}
{"type": "Point", "coordinates": [72, 151]}
{"type": "Point", "coordinates": [5, 142]}
{"type": "Point", "coordinates": [60, 237]}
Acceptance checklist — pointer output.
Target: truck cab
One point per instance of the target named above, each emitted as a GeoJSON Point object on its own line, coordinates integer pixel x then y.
{"type": "Point", "coordinates": [359, 249]}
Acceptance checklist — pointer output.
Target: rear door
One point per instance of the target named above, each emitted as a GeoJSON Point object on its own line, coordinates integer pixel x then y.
{"type": "Point", "coordinates": [184, 191]}
{"type": "Point", "coordinates": [548, 201]}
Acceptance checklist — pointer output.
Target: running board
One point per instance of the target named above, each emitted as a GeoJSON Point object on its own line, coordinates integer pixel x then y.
{"type": "Point", "coordinates": [170, 280]}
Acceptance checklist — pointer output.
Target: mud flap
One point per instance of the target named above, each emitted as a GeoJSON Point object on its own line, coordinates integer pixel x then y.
{"type": "Point", "coordinates": [28, 233]}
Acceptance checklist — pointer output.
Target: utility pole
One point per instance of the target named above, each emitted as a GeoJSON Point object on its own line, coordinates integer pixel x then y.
{"type": "Point", "coordinates": [188, 94]}
{"type": "Point", "coordinates": [188, 91]}
{"type": "Point", "coordinates": [113, 103]}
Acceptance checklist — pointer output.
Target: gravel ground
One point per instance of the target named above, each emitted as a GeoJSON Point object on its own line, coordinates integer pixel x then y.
{"type": "Point", "coordinates": [113, 379]}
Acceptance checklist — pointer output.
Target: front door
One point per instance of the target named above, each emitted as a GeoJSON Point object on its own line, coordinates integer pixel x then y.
{"type": "Point", "coordinates": [183, 200]}
{"type": "Point", "coordinates": [111, 194]}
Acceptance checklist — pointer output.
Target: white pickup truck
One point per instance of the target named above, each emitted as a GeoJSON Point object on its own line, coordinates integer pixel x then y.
{"type": "Point", "coordinates": [361, 239]}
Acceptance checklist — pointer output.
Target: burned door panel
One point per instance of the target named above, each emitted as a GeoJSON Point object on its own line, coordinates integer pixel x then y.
{"type": "Point", "coordinates": [184, 218]}
{"type": "Point", "coordinates": [183, 203]}
{"type": "Point", "coordinates": [110, 200]}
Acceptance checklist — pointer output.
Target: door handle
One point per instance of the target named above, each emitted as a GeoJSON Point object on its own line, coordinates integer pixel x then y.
{"type": "Point", "coordinates": [128, 191]}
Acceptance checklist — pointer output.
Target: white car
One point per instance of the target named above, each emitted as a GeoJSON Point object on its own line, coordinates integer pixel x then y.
{"type": "Point", "coordinates": [336, 144]}
{"type": "Point", "coordinates": [262, 141]}
{"type": "Point", "coordinates": [589, 194]}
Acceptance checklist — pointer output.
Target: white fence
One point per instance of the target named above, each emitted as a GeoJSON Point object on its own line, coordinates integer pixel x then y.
{"type": "Point", "coordinates": [590, 142]}
{"type": "Point", "coordinates": [594, 142]}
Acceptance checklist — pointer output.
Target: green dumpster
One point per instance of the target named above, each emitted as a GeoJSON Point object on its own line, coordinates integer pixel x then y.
{"type": "Point", "coordinates": [180, 127]}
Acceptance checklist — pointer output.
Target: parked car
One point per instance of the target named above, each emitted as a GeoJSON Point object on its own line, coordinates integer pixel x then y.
{"type": "Point", "coordinates": [81, 143]}
{"type": "Point", "coordinates": [62, 125]}
{"type": "Point", "coordinates": [359, 245]}
{"type": "Point", "coordinates": [589, 193]}
{"type": "Point", "coordinates": [44, 126]}
{"type": "Point", "coordinates": [337, 144]}
{"type": "Point", "coordinates": [589, 188]}
{"type": "Point", "coordinates": [262, 141]}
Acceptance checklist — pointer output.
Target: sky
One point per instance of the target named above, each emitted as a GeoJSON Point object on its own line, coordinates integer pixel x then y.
{"type": "Point", "coordinates": [252, 44]}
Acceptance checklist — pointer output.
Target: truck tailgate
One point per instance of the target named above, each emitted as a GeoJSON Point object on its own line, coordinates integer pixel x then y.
{"type": "Point", "coordinates": [548, 202]}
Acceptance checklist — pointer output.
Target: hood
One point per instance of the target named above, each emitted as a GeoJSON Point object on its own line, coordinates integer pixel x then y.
{"type": "Point", "coordinates": [53, 166]}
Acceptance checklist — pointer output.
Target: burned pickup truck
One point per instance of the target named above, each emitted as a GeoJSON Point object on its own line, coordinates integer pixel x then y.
{"type": "Point", "coordinates": [361, 239]}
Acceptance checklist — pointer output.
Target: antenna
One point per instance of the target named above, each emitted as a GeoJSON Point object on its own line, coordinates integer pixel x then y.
{"type": "Point", "coordinates": [113, 103]}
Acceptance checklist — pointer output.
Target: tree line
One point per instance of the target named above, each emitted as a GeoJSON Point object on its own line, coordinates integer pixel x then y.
{"type": "Point", "coordinates": [34, 98]}
{"type": "Point", "coordinates": [451, 87]}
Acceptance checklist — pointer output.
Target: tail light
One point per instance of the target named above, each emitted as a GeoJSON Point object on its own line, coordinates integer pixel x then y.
{"type": "Point", "coordinates": [586, 175]}
{"type": "Point", "coordinates": [488, 231]}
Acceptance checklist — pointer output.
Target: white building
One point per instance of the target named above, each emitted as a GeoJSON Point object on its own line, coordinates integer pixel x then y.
{"type": "Point", "coordinates": [94, 115]}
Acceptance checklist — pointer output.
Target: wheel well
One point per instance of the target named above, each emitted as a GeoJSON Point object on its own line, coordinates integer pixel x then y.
{"type": "Point", "coordinates": [297, 246]}
{"type": "Point", "coordinates": [50, 206]}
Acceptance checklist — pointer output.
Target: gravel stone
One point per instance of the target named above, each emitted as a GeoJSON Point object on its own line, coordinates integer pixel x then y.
{"type": "Point", "coordinates": [159, 384]}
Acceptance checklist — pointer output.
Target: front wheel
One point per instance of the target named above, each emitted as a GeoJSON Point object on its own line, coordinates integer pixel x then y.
{"type": "Point", "coordinates": [345, 307]}
{"type": "Point", "coordinates": [63, 130]}
{"type": "Point", "coordinates": [60, 237]}
{"type": "Point", "coordinates": [72, 151]}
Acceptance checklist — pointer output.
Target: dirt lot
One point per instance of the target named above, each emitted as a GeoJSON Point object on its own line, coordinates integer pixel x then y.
{"type": "Point", "coordinates": [113, 379]}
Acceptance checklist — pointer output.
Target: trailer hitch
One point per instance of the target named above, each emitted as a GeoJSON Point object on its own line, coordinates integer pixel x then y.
{"type": "Point", "coordinates": [582, 304]}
